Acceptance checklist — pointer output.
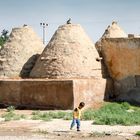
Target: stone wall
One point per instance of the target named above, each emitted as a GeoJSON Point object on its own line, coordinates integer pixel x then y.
{"type": "Point", "coordinates": [122, 58]}
{"type": "Point", "coordinates": [52, 94]}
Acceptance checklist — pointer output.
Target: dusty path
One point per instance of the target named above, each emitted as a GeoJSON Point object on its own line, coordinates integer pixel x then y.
{"type": "Point", "coordinates": [59, 130]}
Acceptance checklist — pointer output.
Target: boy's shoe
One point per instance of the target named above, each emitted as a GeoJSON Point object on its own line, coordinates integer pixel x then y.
{"type": "Point", "coordinates": [71, 128]}
{"type": "Point", "coordinates": [78, 130]}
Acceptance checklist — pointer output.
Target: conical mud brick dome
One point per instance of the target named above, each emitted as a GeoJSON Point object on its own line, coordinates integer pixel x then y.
{"type": "Point", "coordinates": [19, 53]}
{"type": "Point", "coordinates": [112, 31]}
{"type": "Point", "coordinates": [69, 54]}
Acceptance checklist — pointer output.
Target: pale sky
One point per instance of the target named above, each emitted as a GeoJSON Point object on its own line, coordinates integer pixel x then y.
{"type": "Point", "coordinates": [93, 15]}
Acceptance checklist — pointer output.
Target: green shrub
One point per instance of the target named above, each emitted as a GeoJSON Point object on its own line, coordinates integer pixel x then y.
{"type": "Point", "coordinates": [114, 113]}
{"type": "Point", "coordinates": [88, 114]}
{"type": "Point", "coordinates": [41, 116]}
{"type": "Point", "coordinates": [125, 105]}
{"type": "Point", "coordinates": [138, 133]}
{"type": "Point", "coordinates": [57, 115]}
{"type": "Point", "coordinates": [12, 116]}
{"type": "Point", "coordinates": [68, 116]}
{"type": "Point", "coordinates": [36, 112]}
{"type": "Point", "coordinates": [10, 108]}
{"type": "Point", "coordinates": [47, 116]}
{"type": "Point", "coordinates": [2, 41]}
{"type": "Point", "coordinates": [109, 114]}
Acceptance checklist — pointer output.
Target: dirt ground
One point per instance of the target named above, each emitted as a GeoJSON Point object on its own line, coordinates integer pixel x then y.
{"type": "Point", "coordinates": [58, 129]}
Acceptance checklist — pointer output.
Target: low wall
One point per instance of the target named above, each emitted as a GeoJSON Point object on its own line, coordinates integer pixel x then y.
{"type": "Point", "coordinates": [51, 94]}
{"type": "Point", "coordinates": [10, 92]}
{"type": "Point", "coordinates": [37, 93]}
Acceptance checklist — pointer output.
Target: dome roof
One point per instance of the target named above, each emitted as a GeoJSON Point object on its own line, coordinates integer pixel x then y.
{"type": "Point", "coordinates": [19, 53]}
{"type": "Point", "coordinates": [114, 31]}
{"type": "Point", "coordinates": [69, 54]}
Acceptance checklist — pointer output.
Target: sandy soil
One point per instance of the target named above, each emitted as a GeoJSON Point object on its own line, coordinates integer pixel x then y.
{"type": "Point", "coordinates": [58, 129]}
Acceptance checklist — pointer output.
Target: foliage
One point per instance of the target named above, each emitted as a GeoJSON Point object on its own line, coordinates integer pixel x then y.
{"type": "Point", "coordinates": [88, 114]}
{"type": "Point", "coordinates": [12, 116]}
{"type": "Point", "coordinates": [125, 105]}
{"type": "Point", "coordinates": [10, 108]}
{"type": "Point", "coordinates": [4, 37]}
{"type": "Point", "coordinates": [2, 41]}
{"type": "Point", "coordinates": [114, 114]}
{"type": "Point", "coordinates": [138, 133]}
{"type": "Point", "coordinates": [68, 116]}
{"type": "Point", "coordinates": [47, 116]}
{"type": "Point", "coordinates": [41, 116]}
{"type": "Point", "coordinates": [61, 114]}
{"type": "Point", "coordinates": [109, 114]}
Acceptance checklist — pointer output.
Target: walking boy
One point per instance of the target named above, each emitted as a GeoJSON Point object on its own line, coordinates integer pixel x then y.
{"type": "Point", "coordinates": [76, 116]}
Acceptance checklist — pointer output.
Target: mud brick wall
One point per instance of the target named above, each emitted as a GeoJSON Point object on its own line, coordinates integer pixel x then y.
{"type": "Point", "coordinates": [91, 91]}
{"type": "Point", "coordinates": [122, 58]}
{"type": "Point", "coordinates": [52, 94]}
{"type": "Point", "coordinates": [37, 93]}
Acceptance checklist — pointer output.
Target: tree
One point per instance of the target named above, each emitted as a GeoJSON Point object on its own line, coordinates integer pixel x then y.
{"type": "Point", "coordinates": [4, 34]}
{"type": "Point", "coordinates": [4, 37]}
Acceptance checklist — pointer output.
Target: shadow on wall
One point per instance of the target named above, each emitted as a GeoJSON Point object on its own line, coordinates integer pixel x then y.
{"type": "Point", "coordinates": [109, 88]}
{"type": "Point", "coordinates": [28, 66]}
{"type": "Point", "coordinates": [128, 89]}
{"type": "Point", "coordinates": [124, 90]}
